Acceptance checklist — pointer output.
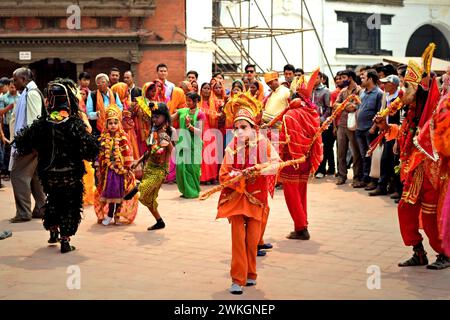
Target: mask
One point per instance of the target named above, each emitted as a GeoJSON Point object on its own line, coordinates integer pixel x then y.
{"type": "Point", "coordinates": [57, 98]}
{"type": "Point", "coordinates": [345, 83]}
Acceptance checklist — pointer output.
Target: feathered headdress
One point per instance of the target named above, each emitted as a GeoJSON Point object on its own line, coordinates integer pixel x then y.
{"type": "Point", "coordinates": [427, 57]}
{"type": "Point", "coordinates": [303, 87]}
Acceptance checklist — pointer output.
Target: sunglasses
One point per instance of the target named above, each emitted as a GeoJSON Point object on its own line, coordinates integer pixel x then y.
{"type": "Point", "coordinates": [250, 71]}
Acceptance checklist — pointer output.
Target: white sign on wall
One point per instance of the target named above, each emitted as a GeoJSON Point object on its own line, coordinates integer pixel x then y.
{"type": "Point", "coordinates": [25, 55]}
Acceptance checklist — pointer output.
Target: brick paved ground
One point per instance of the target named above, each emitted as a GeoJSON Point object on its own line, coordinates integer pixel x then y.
{"type": "Point", "coordinates": [190, 258]}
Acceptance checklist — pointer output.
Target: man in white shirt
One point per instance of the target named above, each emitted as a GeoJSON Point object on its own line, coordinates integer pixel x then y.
{"type": "Point", "coordinates": [24, 178]}
{"type": "Point", "coordinates": [162, 72]}
{"type": "Point", "coordinates": [277, 100]}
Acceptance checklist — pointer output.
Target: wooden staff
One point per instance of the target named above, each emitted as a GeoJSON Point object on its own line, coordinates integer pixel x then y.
{"type": "Point", "coordinates": [281, 165]}
{"type": "Point", "coordinates": [243, 173]}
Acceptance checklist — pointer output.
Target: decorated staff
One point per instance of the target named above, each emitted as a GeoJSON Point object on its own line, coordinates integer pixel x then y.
{"type": "Point", "coordinates": [337, 111]}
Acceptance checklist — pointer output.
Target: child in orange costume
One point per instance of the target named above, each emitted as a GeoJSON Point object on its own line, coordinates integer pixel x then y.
{"type": "Point", "coordinates": [245, 203]}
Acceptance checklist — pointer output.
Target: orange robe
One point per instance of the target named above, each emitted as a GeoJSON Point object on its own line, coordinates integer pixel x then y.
{"type": "Point", "coordinates": [245, 204]}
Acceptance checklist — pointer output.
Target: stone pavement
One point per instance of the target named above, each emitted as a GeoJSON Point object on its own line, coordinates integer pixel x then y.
{"type": "Point", "coordinates": [190, 259]}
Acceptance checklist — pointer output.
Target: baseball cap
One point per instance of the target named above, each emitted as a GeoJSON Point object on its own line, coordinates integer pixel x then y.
{"type": "Point", "coordinates": [392, 79]}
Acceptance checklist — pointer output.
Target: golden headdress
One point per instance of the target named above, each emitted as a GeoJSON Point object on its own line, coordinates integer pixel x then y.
{"type": "Point", "coordinates": [243, 107]}
{"type": "Point", "coordinates": [113, 112]}
{"type": "Point", "coordinates": [413, 73]}
{"type": "Point", "coordinates": [305, 88]}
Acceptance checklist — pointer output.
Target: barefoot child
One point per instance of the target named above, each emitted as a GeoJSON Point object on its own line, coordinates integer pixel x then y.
{"type": "Point", "coordinates": [156, 159]}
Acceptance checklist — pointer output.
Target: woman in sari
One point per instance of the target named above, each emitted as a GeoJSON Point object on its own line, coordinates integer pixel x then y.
{"type": "Point", "coordinates": [189, 147]}
{"type": "Point", "coordinates": [255, 87]}
{"type": "Point", "coordinates": [82, 98]}
{"type": "Point", "coordinates": [178, 100]}
{"type": "Point", "coordinates": [161, 91]}
{"type": "Point", "coordinates": [186, 86]}
{"type": "Point", "coordinates": [142, 115]}
{"type": "Point", "coordinates": [237, 87]}
{"type": "Point", "coordinates": [180, 92]}
{"type": "Point", "coordinates": [121, 89]}
{"type": "Point", "coordinates": [88, 178]}
{"type": "Point", "coordinates": [194, 85]}
{"type": "Point", "coordinates": [210, 162]}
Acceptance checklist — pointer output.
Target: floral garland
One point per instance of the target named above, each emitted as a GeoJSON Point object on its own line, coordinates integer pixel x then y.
{"type": "Point", "coordinates": [111, 145]}
{"type": "Point", "coordinates": [58, 116]}
{"type": "Point", "coordinates": [154, 143]}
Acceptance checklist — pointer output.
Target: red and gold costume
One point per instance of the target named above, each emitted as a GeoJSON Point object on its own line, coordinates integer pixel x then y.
{"type": "Point", "coordinates": [420, 164]}
{"type": "Point", "coordinates": [300, 125]}
{"type": "Point", "coordinates": [442, 145]}
{"type": "Point", "coordinates": [115, 159]}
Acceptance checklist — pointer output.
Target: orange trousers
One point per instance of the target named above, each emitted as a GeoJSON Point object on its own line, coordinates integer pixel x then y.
{"type": "Point", "coordinates": [265, 217]}
{"type": "Point", "coordinates": [245, 234]}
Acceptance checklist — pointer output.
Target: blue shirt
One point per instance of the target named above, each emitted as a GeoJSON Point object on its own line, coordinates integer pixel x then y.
{"type": "Point", "coordinates": [91, 113]}
{"type": "Point", "coordinates": [370, 105]}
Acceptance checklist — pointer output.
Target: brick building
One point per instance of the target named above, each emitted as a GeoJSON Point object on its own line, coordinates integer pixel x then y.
{"type": "Point", "coordinates": [129, 34]}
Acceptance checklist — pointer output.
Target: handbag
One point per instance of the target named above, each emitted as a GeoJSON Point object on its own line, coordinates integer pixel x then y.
{"type": "Point", "coordinates": [376, 161]}
{"type": "Point", "coordinates": [351, 121]}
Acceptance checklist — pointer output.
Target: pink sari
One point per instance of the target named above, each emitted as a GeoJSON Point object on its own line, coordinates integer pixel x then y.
{"type": "Point", "coordinates": [210, 156]}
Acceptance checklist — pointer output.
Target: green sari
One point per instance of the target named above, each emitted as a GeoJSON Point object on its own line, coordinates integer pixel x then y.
{"type": "Point", "coordinates": [189, 157]}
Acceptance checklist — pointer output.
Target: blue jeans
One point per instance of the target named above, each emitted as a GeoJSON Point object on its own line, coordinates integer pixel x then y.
{"type": "Point", "coordinates": [364, 138]}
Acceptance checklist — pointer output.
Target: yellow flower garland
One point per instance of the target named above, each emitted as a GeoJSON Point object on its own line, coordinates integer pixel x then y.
{"type": "Point", "coordinates": [113, 143]}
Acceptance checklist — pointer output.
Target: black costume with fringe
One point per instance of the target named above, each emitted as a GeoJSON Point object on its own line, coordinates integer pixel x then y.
{"type": "Point", "coordinates": [62, 147]}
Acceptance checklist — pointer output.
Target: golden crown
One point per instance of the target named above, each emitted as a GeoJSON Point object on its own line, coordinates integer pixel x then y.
{"type": "Point", "coordinates": [113, 112]}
